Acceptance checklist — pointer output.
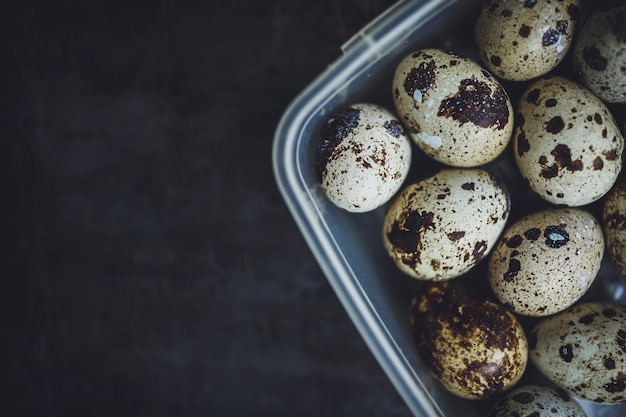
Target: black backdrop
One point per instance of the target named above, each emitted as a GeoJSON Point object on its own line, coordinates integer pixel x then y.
{"type": "Point", "coordinates": [151, 266]}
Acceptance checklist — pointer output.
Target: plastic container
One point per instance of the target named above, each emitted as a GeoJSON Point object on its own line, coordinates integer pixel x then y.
{"type": "Point", "coordinates": [348, 246]}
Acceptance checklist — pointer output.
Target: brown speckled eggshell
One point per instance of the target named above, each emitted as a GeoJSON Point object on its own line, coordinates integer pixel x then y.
{"type": "Point", "coordinates": [473, 346]}
{"type": "Point", "coordinates": [520, 40]}
{"type": "Point", "coordinates": [439, 228]}
{"type": "Point", "coordinates": [363, 157]}
{"type": "Point", "coordinates": [583, 350]}
{"type": "Point", "coordinates": [537, 401]}
{"type": "Point", "coordinates": [566, 143]}
{"type": "Point", "coordinates": [614, 225]}
{"type": "Point", "coordinates": [455, 111]}
{"type": "Point", "coordinates": [600, 54]}
{"type": "Point", "coordinates": [546, 261]}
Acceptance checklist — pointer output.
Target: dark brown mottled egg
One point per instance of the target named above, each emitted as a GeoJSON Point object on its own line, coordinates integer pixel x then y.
{"type": "Point", "coordinates": [473, 346]}
{"type": "Point", "coordinates": [566, 142]}
{"type": "Point", "coordinates": [455, 111]}
{"type": "Point", "coordinates": [519, 40]}
{"type": "Point", "coordinates": [583, 350]}
{"type": "Point", "coordinates": [546, 261]}
{"type": "Point", "coordinates": [441, 227]}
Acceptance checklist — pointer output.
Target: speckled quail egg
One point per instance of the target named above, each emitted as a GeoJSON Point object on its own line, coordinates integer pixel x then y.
{"type": "Point", "coordinates": [440, 227]}
{"type": "Point", "coordinates": [363, 157]}
{"type": "Point", "coordinates": [455, 111]}
{"type": "Point", "coordinates": [473, 346]}
{"type": "Point", "coordinates": [600, 54]}
{"type": "Point", "coordinates": [614, 225]}
{"type": "Point", "coordinates": [567, 144]}
{"type": "Point", "coordinates": [545, 261]}
{"type": "Point", "coordinates": [520, 40]}
{"type": "Point", "coordinates": [583, 350]}
{"type": "Point", "coordinates": [536, 401]}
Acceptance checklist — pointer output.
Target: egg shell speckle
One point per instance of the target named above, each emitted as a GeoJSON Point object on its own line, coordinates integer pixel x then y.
{"type": "Point", "coordinates": [583, 350]}
{"type": "Point", "coordinates": [614, 225]}
{"type": "Point", "coordinates": [600, 54]}
{"type": "Point", "coordinates": [439, 228]}
{"type": "Point", "coordinates": [536, 401]}
{"type": "Point", "coordinates": [546, 261]}
{"type": "Point", "coordinates": [566, 143]}
{"type": "Point", "coordinates": [363, 157]}
{"type": "Point", "coordinates": [454, 110]}
{"type": "Point", "coordinates": [473, 346]}
{"type": "Point", "coordinates": [520, 40]}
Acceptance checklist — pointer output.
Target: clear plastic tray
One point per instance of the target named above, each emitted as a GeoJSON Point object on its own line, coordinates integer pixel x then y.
{"type": "Point", "coordinates": [348, 246]}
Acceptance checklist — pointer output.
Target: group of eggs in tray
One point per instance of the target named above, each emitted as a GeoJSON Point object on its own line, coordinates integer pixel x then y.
{"type": "Point", "coordinates": [567, 148]}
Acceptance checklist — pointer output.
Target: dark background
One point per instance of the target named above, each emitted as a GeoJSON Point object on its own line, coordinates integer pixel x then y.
{"type": "Point", "coordinates": [151, 266]}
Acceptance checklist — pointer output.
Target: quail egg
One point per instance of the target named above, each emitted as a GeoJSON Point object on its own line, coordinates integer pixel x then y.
{"type": "Point", "coordinates": [583, 350]}
{"type": "Point", "coordinates": [455, 111]}
{"type": "Point", "coordinates": [440, 227]}
{"type": "Point", "coordinates": [600, 54]}
{"type": "Point", "coordinates": [546, 261]}
{"type": "Point", "coordinates": [473, 346]}
{"type": "Point", "coordinates": [537, 401]}
{"type": "Point", "coordinates": [520, 40]}
{"type": "Point", "coordinates": [363, 157]}
{"type": "Point", "coordinates": [566, 142]}
{"type": "Point", "coordinates": [614, 225]}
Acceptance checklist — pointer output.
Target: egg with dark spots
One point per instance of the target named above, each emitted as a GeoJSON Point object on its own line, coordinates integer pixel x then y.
{"type": "Point", "coordinates": [566, 142]}
{"type": "Point", "coordinates": [520, 40]}
{"type": "Point", "coordinates": [473, 346]}
{"type": "Point", "coordinates": [454, 110]}
{"type": "Point", "coordinates": [363, 157]}
{"type": "Point", "coordinates": [614, 225]}
{"type": "Point", "coordinates": [546, 261]}
{"type": "Point", "coordinates": [441, 227]}
{"type": "Point", "coordinates": [583, 350]}
{"type": "Point", "coordinates": [536, 401]}
{"type": "Point", "coordinates": [600, 54]}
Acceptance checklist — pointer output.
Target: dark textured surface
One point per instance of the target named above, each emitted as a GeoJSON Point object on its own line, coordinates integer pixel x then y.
{"type": "Point", "coordinates": [151, 265]}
